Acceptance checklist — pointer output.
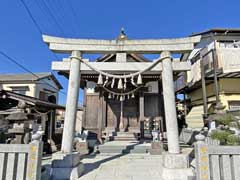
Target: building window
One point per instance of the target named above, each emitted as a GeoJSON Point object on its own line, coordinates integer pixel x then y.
{"type": "Point", "coordinates": [43, 96]}
{"type": "Point", "coordinates": [20, 89]}
{"type": "Point", "coordinates": [229, 44]}
{"type": "Point", "coordinates": [234, 105]}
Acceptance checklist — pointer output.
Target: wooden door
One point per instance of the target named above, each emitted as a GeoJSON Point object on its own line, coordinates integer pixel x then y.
{"type": "Point", "coordinates": [152, 105]}
{"type": "Point", "coordinates": [91, 112]}
{"type": "Point", "coordinates": [130, 113]}
{"type": "Point", "coordinates": [113, 113]}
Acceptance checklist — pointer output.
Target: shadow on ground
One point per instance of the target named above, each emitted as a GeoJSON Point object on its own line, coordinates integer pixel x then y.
{"type": "Point", "coordinates": [88, 167]}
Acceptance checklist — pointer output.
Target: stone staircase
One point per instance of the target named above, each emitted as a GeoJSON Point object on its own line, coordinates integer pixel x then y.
{"type": "Point", "coordinates": [127, 167]}
{"type": "Point", "coordinates": [194, 117]}
{"type": "Point", "coordinates": [123, 147]}
{"type": "Point", "coordinates": [124, 136]}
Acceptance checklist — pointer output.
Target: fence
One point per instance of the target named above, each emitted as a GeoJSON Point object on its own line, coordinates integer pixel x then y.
{"type": "Point", "coordinates": [215, 162]}
{"type": "Point", "coordinates": [21, 161]}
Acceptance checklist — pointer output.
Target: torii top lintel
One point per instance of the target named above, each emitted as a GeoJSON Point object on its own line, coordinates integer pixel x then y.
{"type": "Point", "coordinates": [146, 46]}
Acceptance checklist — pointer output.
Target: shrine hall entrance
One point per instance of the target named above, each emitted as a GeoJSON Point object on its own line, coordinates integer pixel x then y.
{"type": "Point", "coordinates": [132, 117]}
{"type": "Point", "coordinates": [103, 115]}
{"type": "Point", "coordinates": [127, 110]}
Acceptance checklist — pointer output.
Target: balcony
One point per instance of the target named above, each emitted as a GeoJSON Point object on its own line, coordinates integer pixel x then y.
{"type": "Point", "coordinates": [227, 61]}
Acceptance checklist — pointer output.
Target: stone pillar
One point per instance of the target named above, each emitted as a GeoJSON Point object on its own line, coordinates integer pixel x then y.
{"type": "Point", "coordinates": [66, 164]}
{"type": "Point", "coordinates": [72, 103]}
{"type": "Point", "coordinates": [170, 104]}
{"type": "Point", "coordinates": [175, 164]}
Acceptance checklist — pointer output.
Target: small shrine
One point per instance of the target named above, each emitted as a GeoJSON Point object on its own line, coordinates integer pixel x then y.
{"type": "Point", "coordinates": [126, 95]}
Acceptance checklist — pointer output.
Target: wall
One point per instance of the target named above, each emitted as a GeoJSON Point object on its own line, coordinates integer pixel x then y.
{"type": "Point", "coordinates": [31, 92]}
{"type": "Point", "coordinates": [196, 95]}
{"type": "Point", "coordinates": [229, 88]}
{"type": "Point", "coordinates": [47, 86]}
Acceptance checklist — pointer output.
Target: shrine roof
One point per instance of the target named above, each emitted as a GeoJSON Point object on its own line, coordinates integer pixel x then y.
{"type": "Point", "coordinates": [135, 57]}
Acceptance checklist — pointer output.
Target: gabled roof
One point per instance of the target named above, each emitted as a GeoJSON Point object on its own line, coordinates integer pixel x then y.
{"type": "Point", "coordinates": [4, 78]}
{"type": "Point", "coordinates": [136, 57]}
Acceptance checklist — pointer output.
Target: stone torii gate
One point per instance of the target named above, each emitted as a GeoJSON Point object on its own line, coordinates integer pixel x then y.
{"type": "Point", "coordinates": [164, 47]}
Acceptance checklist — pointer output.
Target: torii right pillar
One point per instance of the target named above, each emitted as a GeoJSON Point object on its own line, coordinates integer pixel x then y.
{"type": "Point", "coordinates": [170, 104]}
{"type": "Point", "coordinates": [175, 163]}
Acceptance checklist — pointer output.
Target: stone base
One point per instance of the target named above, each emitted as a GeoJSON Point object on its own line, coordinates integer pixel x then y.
{"type": "Point", "coordinates": [71, 173]}
{"type": "Point", "coordinates": [156, 148]}
{"type": "Point", "coordinates": [175, 161]}
{"type": "Point", "coordinates": [82, 147]}
{"type": "Point", "coordinates": [155, 151]}
{"type": "Point", "coordinates": [157, 145]}
{"type": "Point", "coordinates": [66, 166]}
{"type": "Point", "coordinates": [178, 174]}
{"type": "Point", "coordinates": [176, 167]}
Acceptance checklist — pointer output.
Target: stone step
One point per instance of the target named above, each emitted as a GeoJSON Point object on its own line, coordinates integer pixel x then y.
{"type": "Point", "coordinates": [139, 147]}
{"type": "Point", "coordinates": [123, 149]}
{"type": "Point", "coordinates": [139, 151]}
{"type": "Point", "coordinates": [124, 136]}
{"type": "Point", "coordinates": [124, 139]}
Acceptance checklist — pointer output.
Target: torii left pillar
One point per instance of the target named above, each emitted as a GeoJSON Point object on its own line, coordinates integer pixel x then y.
{"type": "Point", "coordinates": [66, 164]}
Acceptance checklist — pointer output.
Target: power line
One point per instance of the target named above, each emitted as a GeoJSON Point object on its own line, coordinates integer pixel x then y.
{"type": "Point", "coordinates": [74, 16]}
{"type": "Point", "coordinates": [63, 14]}
{"type": "Point", "coordinates": [27, 70]}
{"type": "Point", "coordinates": [53, 17]}
{"type": "Point", "coordinates": [41, 32]}
{"type": "Point", "coordinates": [35, 22]}
{"type": "Point", "coordinates": [31, 16]}
{"type": "Point", "coordinates": [45, 14]}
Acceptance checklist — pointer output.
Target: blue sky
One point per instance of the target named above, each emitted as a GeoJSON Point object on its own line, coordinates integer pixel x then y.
{"type": "Point", "coordinates": [20, 39]}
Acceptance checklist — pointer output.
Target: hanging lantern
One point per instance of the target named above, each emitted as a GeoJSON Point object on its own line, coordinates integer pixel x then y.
{"type": "Point", "coordinates": [128, 96]}
{"type": "Point", "coordinates": [132, 95]}
{"type": "Point", "coordinates": [109, 96]}
{"type": "Point", "coordinates": [113, 81]}
{"type": "Point", "coordinates": [120, 86]}
{"type": "Point", "coordinates": [100, 79]}
{"type": "Point", "coordinates": [139, 79]}
{"type": "Point", "coordinates": [105, 82]}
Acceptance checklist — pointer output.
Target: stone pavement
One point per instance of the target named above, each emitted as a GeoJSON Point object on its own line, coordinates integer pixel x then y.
{"type": "Point", "coordinates": [122, 167]}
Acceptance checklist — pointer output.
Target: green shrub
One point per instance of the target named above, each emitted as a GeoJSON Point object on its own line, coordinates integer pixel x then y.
{"type": "Point", "coordinates": [224, 119]}
{"type": "Point", "coordinates": [233, 140]}
{"type": "Point", "coordinates": [220, 135]}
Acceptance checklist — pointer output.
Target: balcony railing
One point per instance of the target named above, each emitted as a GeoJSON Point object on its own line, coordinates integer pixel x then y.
{"type": "Point", "coordinates": [227, 59]}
